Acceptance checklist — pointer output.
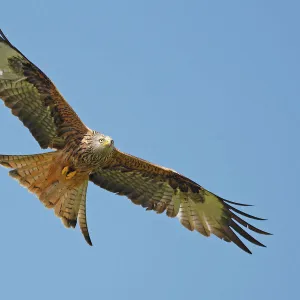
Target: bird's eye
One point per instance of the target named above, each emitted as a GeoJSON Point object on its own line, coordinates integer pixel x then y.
{"type": "Point", "coordinates": [101, 140]}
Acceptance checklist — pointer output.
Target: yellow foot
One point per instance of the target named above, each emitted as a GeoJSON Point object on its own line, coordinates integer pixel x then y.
{"type": "Point", "coordinates": [68, 172]}
{"type": "Point", "coordinates": [71, 175]}
{"type": "Point", "coordinates": [65, 170]}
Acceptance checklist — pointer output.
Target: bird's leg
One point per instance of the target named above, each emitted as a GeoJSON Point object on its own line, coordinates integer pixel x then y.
{"type": "Point", "coordinates": [70, 173]}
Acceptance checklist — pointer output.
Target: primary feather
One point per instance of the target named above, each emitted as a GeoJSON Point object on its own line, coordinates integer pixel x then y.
{"type": "Point", "coordinates": [60, 179]}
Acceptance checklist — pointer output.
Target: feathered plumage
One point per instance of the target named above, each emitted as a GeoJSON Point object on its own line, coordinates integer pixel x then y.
{"type": "Point", "coordinates": [60, 178]}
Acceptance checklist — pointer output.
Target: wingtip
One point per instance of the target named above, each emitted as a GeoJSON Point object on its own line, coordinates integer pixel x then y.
{"type": "Point", "coordinates": [231, 208]}
{"type": "Point", "coordinates": [3, 36]}
{"type": "Point", "coordinates": [244, 248]}
{"type": "Point", "coordinates": [249, 252]}
{"type": "Point", "coordinates": [236, 203]}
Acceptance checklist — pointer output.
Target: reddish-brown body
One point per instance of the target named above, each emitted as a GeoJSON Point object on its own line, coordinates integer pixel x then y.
{"type": "Point", "coordinates": [60, 179]}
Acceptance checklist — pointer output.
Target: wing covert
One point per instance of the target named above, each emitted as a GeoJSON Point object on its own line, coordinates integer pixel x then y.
{"type": "Point", "coordinates": [34, 99]}
{"type": "Point", "coordinates": [164, 190]}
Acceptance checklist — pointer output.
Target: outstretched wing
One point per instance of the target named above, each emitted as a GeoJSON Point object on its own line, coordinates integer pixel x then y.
{"type": "Point", "coordinates": [161, 189]}
{"type": "Point", "coordinates": [34, 99]}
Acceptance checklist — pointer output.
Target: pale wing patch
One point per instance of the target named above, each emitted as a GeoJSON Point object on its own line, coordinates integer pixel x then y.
{"type": "Point", "coordinates": [212, 208]}
{"type": "Point", "coordinates": [195, 207]}
{"type": "Point", "coordinates": [202, 216]}
{"type": "Point", "coordinates": [6, 53]}
{"type": "Point", "coordinates": [200, 224]}
{"type": "Point", "coordinates": [174, 206]}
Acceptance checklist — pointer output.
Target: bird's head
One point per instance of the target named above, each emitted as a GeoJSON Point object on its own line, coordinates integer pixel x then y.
{"type": "Point", "coordinates": [102, 143]}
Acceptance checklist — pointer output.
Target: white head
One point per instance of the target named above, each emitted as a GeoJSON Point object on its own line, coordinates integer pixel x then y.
{"type": "Point", "coordinates": [100, 143]}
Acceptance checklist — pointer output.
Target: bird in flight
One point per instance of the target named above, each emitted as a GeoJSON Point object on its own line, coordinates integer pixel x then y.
{"type": "Point", "coordinates": [60, 178]}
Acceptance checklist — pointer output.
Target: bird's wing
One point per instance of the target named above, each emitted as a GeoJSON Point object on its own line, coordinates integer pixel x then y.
{"type": "Point", "coordinates": [34, 99]}
{"type": "Point", "coordinates": [161, 189]}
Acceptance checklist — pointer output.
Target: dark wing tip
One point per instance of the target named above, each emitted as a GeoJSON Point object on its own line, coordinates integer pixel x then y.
{"type": "Point", "coordinates": [247, 225]}
{"type": "Point", "coordinates": [2, 36]}
{"type": "Point", "coordinates": [230, 227]}
{"type": "Point", "coordinates": [266, 233]}
{"type": "Point", "coordinates": [242, 213]}
{"type": "Point", "coordinates": [235, 203]}
{"type": "Point", "coordinates": [245, 234]}
{"type": "Point", "coordinates": [5, 39]}
{"type": "Point", "coordinates": [234, 238]}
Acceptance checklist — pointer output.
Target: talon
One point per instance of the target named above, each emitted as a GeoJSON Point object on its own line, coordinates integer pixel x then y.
{"type": "Point", "coordinates": [71, 175]}
{"type": "Point", "coordinates": [65, 170]}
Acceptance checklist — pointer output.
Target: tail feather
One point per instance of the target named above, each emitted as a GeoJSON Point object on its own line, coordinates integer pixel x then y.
{"type": "Point", "coordinates": [68, 206]}
{"type": "Point", "coordinates": [41, 175]}
{"type": "Point", "coordinates": [30, 170]}
{"type": "Point", "coordinates": [82, 217]}
{"type": "Point", "coordinates": [20, 161]}
{"type": "Point", "coordinates": [52, 194]}
{"type": "Point", "coordinates": [32, 177]}
{"type": "Point", "coordinates": [72, 205]}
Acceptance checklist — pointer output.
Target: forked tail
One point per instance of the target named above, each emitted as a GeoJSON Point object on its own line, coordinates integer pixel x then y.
{"type": "Point", "coordinates": [42, 175]}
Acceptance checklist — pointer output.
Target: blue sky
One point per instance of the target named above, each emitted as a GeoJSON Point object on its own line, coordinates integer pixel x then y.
{"type": "Point", "coordinates": [208, 88]}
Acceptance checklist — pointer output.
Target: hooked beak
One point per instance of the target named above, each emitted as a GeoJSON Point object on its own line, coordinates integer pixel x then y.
{"type": "Point", "coordinates": [108, 142]}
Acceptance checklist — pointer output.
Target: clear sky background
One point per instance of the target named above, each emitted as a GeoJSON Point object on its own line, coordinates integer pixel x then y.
{"type": "Point", "coordinates": [208, 88]}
